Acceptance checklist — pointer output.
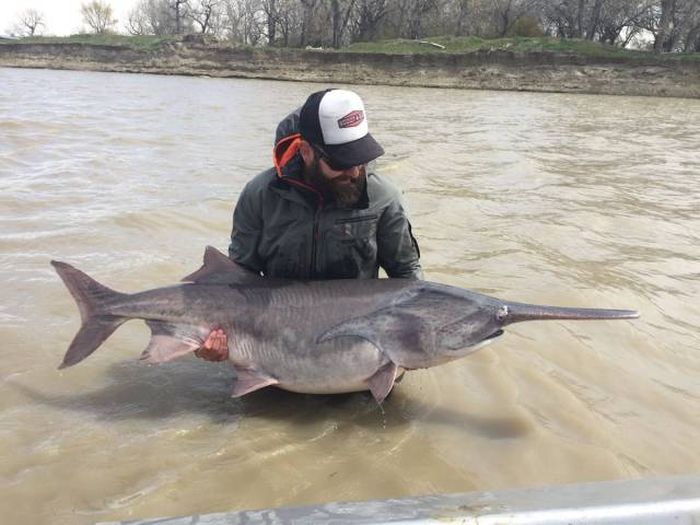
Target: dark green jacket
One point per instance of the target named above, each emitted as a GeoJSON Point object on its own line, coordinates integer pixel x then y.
{"type": "Point", "coordinates": [284, 228]}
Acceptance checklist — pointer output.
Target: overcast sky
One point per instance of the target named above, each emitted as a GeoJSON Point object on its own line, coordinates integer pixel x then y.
{"type": "Point", "coordinates": [62, 17]}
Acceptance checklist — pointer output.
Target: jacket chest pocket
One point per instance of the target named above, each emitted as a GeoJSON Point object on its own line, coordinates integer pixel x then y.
{"type": "Point", "coordinates": [350, 229]}
{"type": "Point", "coordinates": [355, 237]}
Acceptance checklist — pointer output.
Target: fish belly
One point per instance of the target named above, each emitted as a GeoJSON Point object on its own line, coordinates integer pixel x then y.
{"type": "Point", "coordinates": [335, 367]}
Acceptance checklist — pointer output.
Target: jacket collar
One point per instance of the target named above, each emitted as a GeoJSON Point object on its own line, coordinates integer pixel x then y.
{"type": "Point", "coordinates": [288, 167]}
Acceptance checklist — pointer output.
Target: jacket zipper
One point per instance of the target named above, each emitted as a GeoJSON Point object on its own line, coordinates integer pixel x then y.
{"type": "Point", "coordinates": [361, 218]}
{"type": "Point", "coordinates": [314, 241]}
{"type": "Point", "coordinates": [317, 213]}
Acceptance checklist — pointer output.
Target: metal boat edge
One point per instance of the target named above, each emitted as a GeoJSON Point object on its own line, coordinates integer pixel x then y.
{"type": "Point", "coordinates": [657, 501]}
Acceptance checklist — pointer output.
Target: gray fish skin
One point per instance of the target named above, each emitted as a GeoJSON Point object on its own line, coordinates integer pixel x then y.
{"type": "Point", "coordinates": [313, 337]}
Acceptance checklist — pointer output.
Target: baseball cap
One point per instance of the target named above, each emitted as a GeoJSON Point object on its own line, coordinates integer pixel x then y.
{"type": "Point", "coordinates": [334, 120]}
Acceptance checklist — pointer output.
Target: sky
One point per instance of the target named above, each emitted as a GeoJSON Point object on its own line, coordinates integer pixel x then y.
{"type": "Point", "coordinates": [62, 17]}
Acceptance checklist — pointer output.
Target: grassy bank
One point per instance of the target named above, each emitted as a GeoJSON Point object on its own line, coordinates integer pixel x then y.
{"type": "Point", "coordinates": [524, 45]}
{"type": "Point", "coordinates": [515, 64]}
{"type": "Point", "coordinates": [126, 41]}
{"type": "Point", "coordinates": [445, 45]}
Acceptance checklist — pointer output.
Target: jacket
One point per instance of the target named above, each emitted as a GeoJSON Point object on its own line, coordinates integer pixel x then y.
{"type": "Point", "coordinates": [283, 227]}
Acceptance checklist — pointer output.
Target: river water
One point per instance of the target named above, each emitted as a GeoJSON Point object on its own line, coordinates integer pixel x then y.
{"type": "Point", "coordinates": [544, 198]}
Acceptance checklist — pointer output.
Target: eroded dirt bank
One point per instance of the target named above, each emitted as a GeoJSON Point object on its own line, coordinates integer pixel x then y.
{"type": "Point", "coordinates": [500, 70]}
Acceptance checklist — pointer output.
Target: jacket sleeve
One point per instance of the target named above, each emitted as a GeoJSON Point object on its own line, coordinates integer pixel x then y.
{"type": "Point", "coordinates": [247, 231]}
{"type": "Point", "coordinates": [397, 249]}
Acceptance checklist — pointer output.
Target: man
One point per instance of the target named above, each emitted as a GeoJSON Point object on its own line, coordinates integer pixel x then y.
{"type": "Point", "coordinates": [321, 212]}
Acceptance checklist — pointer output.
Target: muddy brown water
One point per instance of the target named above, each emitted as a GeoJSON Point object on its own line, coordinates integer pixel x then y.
{"type": "Point", "coordinates": [556, 199]}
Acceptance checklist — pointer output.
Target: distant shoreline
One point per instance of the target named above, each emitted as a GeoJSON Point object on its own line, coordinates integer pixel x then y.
{"type": "Point", "coordinates": [536, 71]}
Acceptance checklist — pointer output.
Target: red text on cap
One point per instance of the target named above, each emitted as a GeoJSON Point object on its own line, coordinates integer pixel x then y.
{"type": "Point", "coordinates": [352, 119]}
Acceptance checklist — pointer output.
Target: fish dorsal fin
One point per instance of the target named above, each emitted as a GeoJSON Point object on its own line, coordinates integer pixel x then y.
{"type": "Point", "coordinates": [219, 269]}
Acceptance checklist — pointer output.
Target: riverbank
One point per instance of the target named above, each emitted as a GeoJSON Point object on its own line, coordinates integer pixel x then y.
{"type": "Point", "coordinates": [498, 65]}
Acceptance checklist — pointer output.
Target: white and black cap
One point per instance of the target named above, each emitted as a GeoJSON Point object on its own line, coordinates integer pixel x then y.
{"type": "Point", "coordinates": [335, 121]}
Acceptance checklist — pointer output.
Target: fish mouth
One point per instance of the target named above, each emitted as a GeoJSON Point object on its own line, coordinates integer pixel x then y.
{"type": "Point", "coordinates": [494, 335]}
{"type": "Point", "coordinates": [485, 341]}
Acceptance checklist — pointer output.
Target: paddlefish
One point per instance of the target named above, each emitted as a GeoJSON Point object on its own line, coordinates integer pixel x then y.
{"type": "Point", "coordinates": [316, 337]}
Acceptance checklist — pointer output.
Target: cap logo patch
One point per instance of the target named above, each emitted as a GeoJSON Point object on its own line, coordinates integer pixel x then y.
{"type": "Point", "coordinates": [352, 119]}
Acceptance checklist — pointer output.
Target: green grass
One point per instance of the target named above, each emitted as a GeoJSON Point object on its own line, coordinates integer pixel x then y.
{"type": "Point", "coordinates": [514, 44]}
{"type": "Point", "coordinates": [109, 39]}
{"type": "Point", "coordinates": [453, 45]}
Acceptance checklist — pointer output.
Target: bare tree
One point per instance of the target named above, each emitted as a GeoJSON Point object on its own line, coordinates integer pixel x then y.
{"type": "Point", "coordinates": [151, 17]}
{"type": "Point", "coordinates": [206, 14]}
{"type": "Point", "coordinates": [675, 24]}
{"type": "Point", "coordinates": [616, 21]}
{"type": "Point", "coordinates": [233, 22]}
{"type": "Point", "coordinates": [244, 21]}
{"type": "Point", "coordinates": [462, 14]}
{"type": "Point", "coordinates": [610, 21]}
{"type": "Point", "coordinates": [561, 17]}
{"type": "Point", "coordinates": [369, 19]}
{"type": "Point", "coordinates": [473, 17]}
{"type": "Point", "coordinates": [662, 33]}
{"type": "Point", "coordinates": [672, 23]}
{"type": "Point", "coordinates": [589, 28]}
{"type": "Point", "coordinates": [98, 16]}
{"type": "Point", "coordinates": [288, 20]}
{"type": "Point", "coordinates": [307, 18]}
{"type": "Point", "coordinates": [695, 45]}
{"type": "Point", "coordinates": [270, 9]}
{"type": "Point", "coordinates": [29, 23]}
{"type": "Point", "coordinates": [340, 16]}
{"type": "Point", "coordinates": [341, 11]}
{"type": "Point", "coordinates": [408, 17]}
{"type": "Point", "coordinates": [506, 13]}
{"type": "Point", "coordinates": [692, 39]}
{"type": "Point", "coordinates": [687, 24]}
{"type": "Point", "coordinates": [137, 22]}
{"type": "Point", "coordinates": [179, 10]}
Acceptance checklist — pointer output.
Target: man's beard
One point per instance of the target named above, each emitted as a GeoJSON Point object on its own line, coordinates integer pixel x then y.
{"type": "Point", "coordinates": [346, 194]}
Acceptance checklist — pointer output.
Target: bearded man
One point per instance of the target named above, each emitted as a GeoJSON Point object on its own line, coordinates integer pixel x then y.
{"type": "Point", "coordinates": [322, 212]}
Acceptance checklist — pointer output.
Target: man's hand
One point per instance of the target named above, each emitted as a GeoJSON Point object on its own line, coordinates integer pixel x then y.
{"type": "Point", "coordinates": [215, 348]}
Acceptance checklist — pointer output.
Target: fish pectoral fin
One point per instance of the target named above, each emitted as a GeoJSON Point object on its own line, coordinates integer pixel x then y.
{"type": "Point", "coordinates": [164, 348]}
{"type": "Point", "coordinates": [249, 380]}
{"type": "Point", "coordinates": [217, 268]}
{"type": "Point", "coordinates": [169, 341]}
{"type": "Point", "coordinates": [381, 383]}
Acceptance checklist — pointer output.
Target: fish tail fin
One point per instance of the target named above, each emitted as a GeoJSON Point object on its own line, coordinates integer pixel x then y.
{"type": "Point", "coordinates": [97, 323]}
